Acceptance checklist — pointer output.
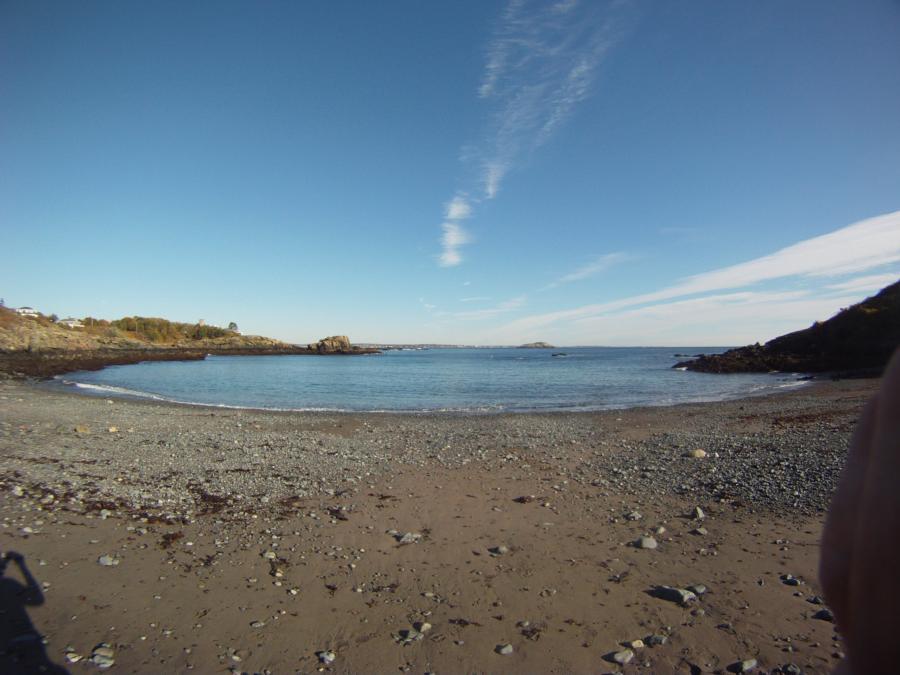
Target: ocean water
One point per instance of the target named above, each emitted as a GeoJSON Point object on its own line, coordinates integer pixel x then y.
{"type": "Point", "coordinates": [443, 380]}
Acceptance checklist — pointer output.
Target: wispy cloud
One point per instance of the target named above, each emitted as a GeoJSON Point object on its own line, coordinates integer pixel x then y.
{"type": "Point", "coordinates": [871, 282]}
{"type": "Point", "coordinates": [502, 308]}
{"type": "Point", "coordinates": [541, 62]}
{"type": "Point", "coordinates": [479, 298]}
{"type": "Point", "coordinates": [457, 208]}
{"type": "Point", "coordinates": [862, 246]}
{"type": "Point", "coordinates": [454, 237]}
{"type": "Point", "coordinates": [599, 264]}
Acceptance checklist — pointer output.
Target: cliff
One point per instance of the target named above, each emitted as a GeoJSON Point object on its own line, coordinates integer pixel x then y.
{"type": "Point", "coordinates": [858, 340]}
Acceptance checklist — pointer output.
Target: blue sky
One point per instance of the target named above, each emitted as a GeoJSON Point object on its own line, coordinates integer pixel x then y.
{"type": "Point", "coordinates": [582, 172]}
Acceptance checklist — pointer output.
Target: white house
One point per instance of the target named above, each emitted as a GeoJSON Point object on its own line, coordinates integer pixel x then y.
{"type": "Point", "coordinates": [27, 311]}
{"type": "Point", "coordinates": [71, 323]}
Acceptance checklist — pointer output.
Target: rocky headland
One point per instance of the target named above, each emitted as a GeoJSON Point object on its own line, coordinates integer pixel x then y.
{"type": "Point", "coordinates": [536, 345]}
{"type": "Point", "coordinates": [39, 347]}
{"type": "Point", "coordinates": [858, 341]}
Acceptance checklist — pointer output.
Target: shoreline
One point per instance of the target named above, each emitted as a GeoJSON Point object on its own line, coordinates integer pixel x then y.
{"type": "Point", "coordinates": [54, 384]}
{"type": "Point", "coordinates": [522, 530]}
{"type": "Point", "coordinates": [49, 363]}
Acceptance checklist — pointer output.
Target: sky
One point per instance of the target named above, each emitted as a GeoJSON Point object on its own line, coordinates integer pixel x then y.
{"type": "Point", "coordinates": [584, 172]}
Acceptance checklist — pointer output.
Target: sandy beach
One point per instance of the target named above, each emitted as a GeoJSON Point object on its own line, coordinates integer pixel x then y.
{"type": "Point", "coordinates": [189, 539]}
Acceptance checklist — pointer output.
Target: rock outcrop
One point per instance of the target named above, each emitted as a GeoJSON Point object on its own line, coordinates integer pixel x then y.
{"type": "Point", "coordinates": [536, 345]}
{"type": "Point", "coordinates": [336, 344]}
{"type": "Point", "coordinates": [858, 340]}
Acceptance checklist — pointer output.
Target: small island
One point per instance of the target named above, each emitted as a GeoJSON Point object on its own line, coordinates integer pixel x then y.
{"type": "Point", "coordinates": [536, 345]}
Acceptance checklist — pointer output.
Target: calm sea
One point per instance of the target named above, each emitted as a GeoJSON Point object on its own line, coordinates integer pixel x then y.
{"type": "Point", "coordinates": [477, 380]}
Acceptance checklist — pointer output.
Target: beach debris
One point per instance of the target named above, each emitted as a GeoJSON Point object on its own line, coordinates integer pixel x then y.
{"type": "Point", "coordinates": [790, 580]}
{"type": "Point", "coordinates": [824, 614]}
{"type": "Point", "coordinates": [326, 657]}
{"type": "Point", "coordinates": [108, 560]}
{"type": "Point", "coordinates": [634, 515]}
{"type": "Point", "coordinates": [103, 656]}
{"type": "Point", "coordinates": [270, 555]}
{"type": "Point", "coordinates": [622, 657]}
{"type": "Point", "coordinates": [498, 550]}
{"type": "Point", "coordinates": [645, 542]}
{"type": "Point", "coordinates": [113, 430]}
{"type": "Point", "coordinates": [258, 624]}
{"type": "Point", "coordinates": [82, 429]}
{"type": "Point", "coordinates": [504, 650]}
{"type": "Point", "coordinates": [682, 596]}
{"type": "Point", "coordinates": [744, 666]}
{"type": "Point", "coordinates": [72, 656]}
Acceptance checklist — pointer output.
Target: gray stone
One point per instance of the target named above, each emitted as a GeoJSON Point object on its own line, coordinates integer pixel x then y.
{"type": "Point", "coordinates": [498, 550]}
{"type": "Point", "coordinates": [697, 589]}
{"type": "Point", "coordinates": [326, 657]}
{"type": "Point", "coordinates": [646, 542]}
{"type": "Point", "coordinates": [656, 640]}
{"type": "Point", "coordinates": [108, 560]}
{"type": "Point", "coordinates": [505, 650]}
{"type": "Point", "coordinates": [824, 614]}
{"type": "Point", "coordinates": [682, 596]}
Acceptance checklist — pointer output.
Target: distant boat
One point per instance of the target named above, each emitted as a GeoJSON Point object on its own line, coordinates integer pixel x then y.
{"type": "Point", "coordinates": [559, 354]}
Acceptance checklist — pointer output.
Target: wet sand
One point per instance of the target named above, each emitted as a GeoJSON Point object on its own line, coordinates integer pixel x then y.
{"type": "Point", "coordinates": [258, 542]}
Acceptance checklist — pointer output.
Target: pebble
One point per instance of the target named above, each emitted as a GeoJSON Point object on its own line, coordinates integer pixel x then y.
{"type": "Point", "coordinates": [505, 650]}
{"type": "Point", "coordinates": [824, 614]}
{"type": "Point", "coordinates": [498, 550]}
{"type": "Point", "coordinates": [698, 453]}
{"type": "Point", "coordinates": [697, 589]}
{"type": "Point", "coordinates": [790, 580]}
{"type": "Point", "coordinates": [646, 542]}
{"type": "Point", "coordinates": [634, 515]}
{"type": "Point", "coordinates": [108, 560]}
{"type": "Point", "coordinates": [326, 657]}
{"type": "Point", "coordinates": [744, 666]}
{"type": "Point", "coordinates": [656, 640]}
{"type": "Point", "coordinates": [700, 531]}
{"type": "Point", "coordinates": [682, 596]}
{"type": "Point", "coordinates": [409, 538]}
{"type": "Point", "coordinates": [697, 514]}
{"type": "Point", "coordinates": [623, 657]}
{"type": "Point", "coordinates": [103, 656]}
